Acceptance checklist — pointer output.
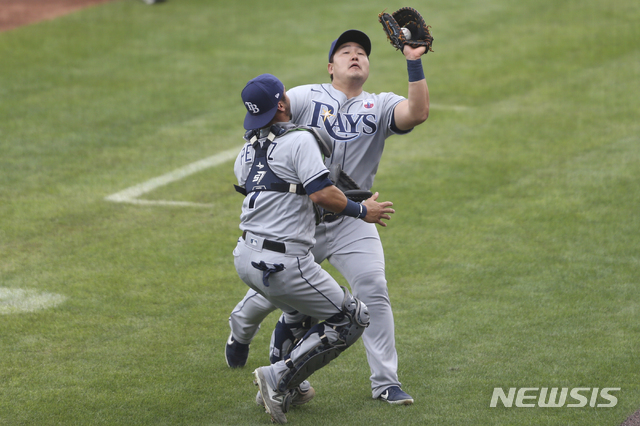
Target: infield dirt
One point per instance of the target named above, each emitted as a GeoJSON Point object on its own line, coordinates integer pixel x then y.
{"type": "Point", "coordinates": [15, 13]}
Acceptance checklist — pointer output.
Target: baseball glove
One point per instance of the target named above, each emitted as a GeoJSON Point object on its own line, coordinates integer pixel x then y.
{"type": "Point", "coordinates": [406, 18]}
{"type": "Point", "coordinates": [346, 184]}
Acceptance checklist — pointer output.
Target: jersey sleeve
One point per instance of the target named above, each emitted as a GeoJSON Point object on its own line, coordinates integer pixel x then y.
{"type": "Point", "coordinates": [389, 103]}
{"type": "Point", "coordinates": [308, 159]}
{"type": "Point", "coordinates": [300, 102]}
{"type": "Point", "coordinates": [242, 166]}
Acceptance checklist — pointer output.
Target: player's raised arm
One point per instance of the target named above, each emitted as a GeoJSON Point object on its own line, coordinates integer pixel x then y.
{"type": "Point", "coordinates": [415, 109]}
{"type": "Point", "coordinates": [408, 32]}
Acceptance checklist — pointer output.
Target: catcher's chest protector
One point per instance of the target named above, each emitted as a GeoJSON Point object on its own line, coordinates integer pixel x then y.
{"type": "Point", "coordinates": [262, 178]}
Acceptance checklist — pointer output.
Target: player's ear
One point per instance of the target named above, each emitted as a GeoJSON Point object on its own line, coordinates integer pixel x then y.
{"type": "Point", "coordinates": [330, 68]}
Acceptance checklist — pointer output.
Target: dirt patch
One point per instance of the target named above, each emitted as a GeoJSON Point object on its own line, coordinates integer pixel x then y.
{"type": "Point", "coordinates": [15, 13]}
{"type": "Point", "coordinates": [633, 420]}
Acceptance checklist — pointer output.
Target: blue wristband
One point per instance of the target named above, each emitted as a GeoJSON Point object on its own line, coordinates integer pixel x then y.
{"type": "Point", "coordinates": [414, 67]}
{"type": "Point", "coordinates": [354, 209]}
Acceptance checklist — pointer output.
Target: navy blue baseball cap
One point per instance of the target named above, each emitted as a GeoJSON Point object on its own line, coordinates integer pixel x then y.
{"type": "Point", "coordinates": [351, 35]}
{"type": "Point", "coordinates": [261, 96]}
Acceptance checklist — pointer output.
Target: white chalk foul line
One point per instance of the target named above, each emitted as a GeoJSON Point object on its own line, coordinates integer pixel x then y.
{"type": "Point", "coordinates": [131, 195]}
{"type": "Point", "coordinates": [457, 108]}
{"type": "Point", "coordinates": [16, 300]}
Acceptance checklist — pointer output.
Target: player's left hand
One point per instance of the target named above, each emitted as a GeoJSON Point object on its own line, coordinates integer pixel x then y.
{"type": "Point", "coordinates": [377, 211]}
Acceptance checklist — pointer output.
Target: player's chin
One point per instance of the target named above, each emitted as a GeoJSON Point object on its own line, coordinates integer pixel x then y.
{"type": "Point", "coordinates": [358, 74]}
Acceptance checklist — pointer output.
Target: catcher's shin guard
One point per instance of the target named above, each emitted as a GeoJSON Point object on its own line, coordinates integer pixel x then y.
{"type": "Point", "coordinates": [324, 342]}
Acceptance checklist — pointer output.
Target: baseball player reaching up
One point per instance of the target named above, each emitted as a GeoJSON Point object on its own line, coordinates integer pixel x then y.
{"type": "Point", "coordinates": [281, 172]}
{"type": "Point", "coordinates": [357, 123]}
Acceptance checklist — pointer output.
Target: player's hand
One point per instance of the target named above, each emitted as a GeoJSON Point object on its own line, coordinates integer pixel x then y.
{"type": "Point", "coordinates": [413, 53]}
{"type": "Point", "coordinates": [377, 211]}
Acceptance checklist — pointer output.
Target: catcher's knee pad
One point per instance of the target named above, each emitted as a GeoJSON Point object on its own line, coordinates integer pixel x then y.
{"type": "Point", "coordinates": [325, 341]}
{"type": "Point", "coordinates": [355, 318]}
{"type": "Point", "coordinates": [287, 333]}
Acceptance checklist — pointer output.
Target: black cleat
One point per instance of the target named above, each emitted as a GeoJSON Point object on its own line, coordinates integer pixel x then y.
{"type": "Point", "coordinates": [236, 353]}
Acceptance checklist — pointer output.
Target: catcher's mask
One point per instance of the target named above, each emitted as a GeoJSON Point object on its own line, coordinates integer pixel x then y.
{"type": "Point", "coordinates": [351, 35]}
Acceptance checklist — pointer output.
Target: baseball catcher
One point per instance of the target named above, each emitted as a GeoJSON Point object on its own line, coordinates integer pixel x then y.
{"type": "Point", "coordinates": [406, 26]}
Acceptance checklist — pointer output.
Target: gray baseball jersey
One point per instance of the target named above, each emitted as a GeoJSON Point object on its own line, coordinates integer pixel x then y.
{"type": "Point", "coordinates": [282, 216]}
{"type": "Point", "coordinates": [358, 126]}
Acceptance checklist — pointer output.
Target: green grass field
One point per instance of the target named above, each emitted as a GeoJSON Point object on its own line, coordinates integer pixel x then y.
{"type": "Point", "coordinates": [513, 260]}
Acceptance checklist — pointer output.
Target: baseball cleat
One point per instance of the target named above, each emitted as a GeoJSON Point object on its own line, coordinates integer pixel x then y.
{"type": "Point", "coordinates": [235, 353]}
{"type": "Point", "coordinates": [301, 394]}
{"type": "Point", "coordinates": [395, 395]}
{"type": "Point", "coordinates": [275, 403]}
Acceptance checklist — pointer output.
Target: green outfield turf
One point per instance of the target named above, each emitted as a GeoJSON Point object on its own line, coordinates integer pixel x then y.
{"type": "Point", "coordinates": [513, 260]}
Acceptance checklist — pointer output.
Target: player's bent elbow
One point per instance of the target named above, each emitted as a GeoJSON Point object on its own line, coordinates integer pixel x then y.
{"type": "Point", "coordinates": [424, 116]}
{"type": "Point", "coordinates": [418, 117]}
{"type": "Point", "coordinates": [416, 121]}
{"type": "Point", "coordinates": [330, 198]}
